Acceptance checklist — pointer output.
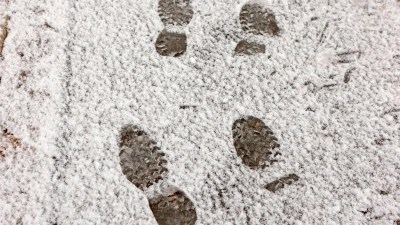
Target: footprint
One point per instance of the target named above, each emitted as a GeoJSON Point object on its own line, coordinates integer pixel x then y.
{"type": "Point", "coordinates": [141, 160]}
{"type": "Point", "coordinates": [280, 183]}
{"type": "Point", "coordinates": [171, 44]}
{"type": "Point", "coordinates": [256, 20]}
{"type": "Point", "coordinates": [176, 13]}
{"type": "Point", "coordinates": [254, 143]}
{"type": "Point", "coordinates": [174, 209]}
{"type": "Point", "coordinates": [249, 48]}
{"type": "Point", "coordinates": [144, 165]}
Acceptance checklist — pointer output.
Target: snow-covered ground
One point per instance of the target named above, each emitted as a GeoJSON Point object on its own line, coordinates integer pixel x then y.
{"type": "Point", "coordinates": [73, 73]}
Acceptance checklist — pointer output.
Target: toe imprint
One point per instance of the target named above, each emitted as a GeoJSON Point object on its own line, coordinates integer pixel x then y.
{"type": "Point", "coordinates": [253, 142]}
{"type": "Point", "coordinates": [249, 48]}
{"type": "Point", "coordinates": [175, 209]}
{"type": "Point", "coordinates": [256, 20]}
{"type": "Point", "coordinates": [171, 44]}
{"type": "Point", "coordinates": [280, 183]}
{"type": "Point", "coordinates": [141, 160]}
{"type": "Point", "coordinates": [175, 12]}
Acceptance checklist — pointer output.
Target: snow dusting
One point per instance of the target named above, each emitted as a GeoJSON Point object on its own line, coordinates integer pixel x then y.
{"type": "Point", "coordinates": [324, 85]}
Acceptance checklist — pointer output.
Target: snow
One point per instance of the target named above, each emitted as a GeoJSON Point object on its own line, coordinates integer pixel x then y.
{"type": "Point", "coordinates": [95, 69]}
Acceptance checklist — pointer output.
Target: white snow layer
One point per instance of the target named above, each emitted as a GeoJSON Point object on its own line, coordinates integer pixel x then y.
{"type": "Point", "coordinates": [91, 67]}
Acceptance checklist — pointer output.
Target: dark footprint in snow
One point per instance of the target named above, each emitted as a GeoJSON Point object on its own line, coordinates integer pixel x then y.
{"type": "Point", "coordinates": [143, 164]}
{"type": "Point", "coordinates": [141, 160]}
{"type": "Point", "coordinates": [249, 48]}
{"type": "Point", "coordinates": [254, 143]}
{"type": "Point", "coordinates": [176, 13]}
{"type": "Point", "coordinates": [174, 209]}
{"type": "Point", "coordinates": [280, 183]}
{"type": "Point", "coordinates": [171, 44]}
{"type": "Point", "coordinates": [256, 20]}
